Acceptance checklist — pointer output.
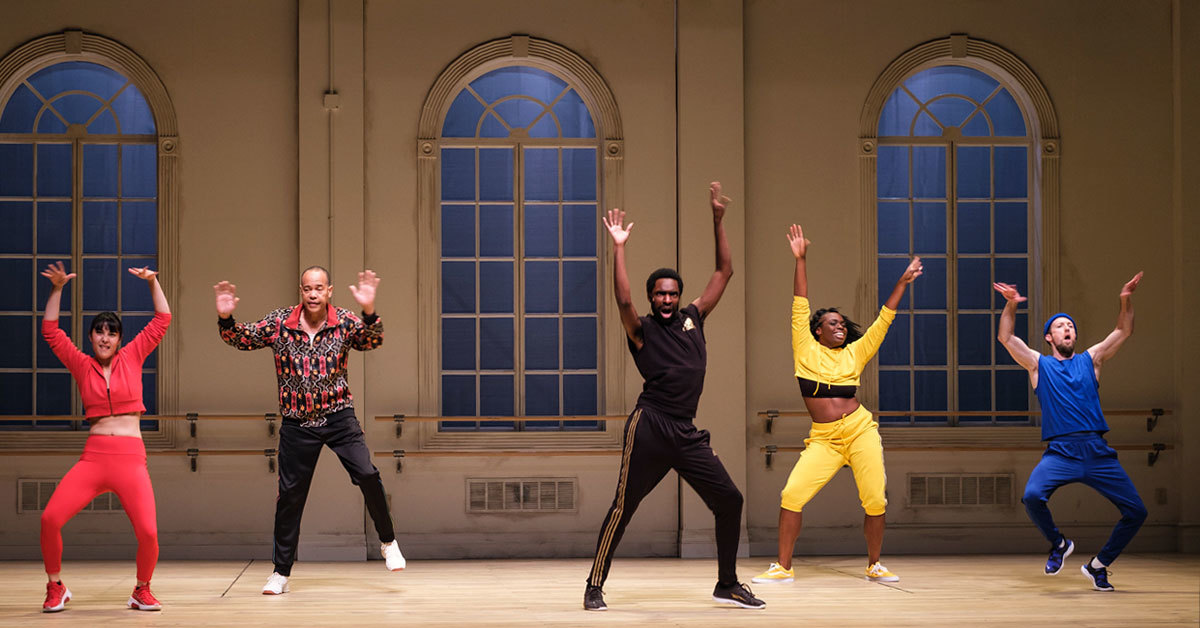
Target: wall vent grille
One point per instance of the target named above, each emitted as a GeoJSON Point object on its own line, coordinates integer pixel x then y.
{"type": "Point", "coordinates": [35, 494]}
{"type": "Point", "coordinates": [952, 490]}
{"type": "Point", "coordinates": [521, 494]}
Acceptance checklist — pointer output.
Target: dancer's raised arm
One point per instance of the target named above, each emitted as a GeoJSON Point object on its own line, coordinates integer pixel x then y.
{"type": "Point", "coordinates": [615, 223]}
{"type": "Point", "coordinates": [1107, 348]}
{"type": "Point", "coordinates": [724, 260]}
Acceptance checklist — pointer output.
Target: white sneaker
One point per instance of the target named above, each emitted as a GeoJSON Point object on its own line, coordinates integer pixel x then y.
{"type": "Point", "coordinates": [276, 585]}
{"type": "Point", "coordinates": [392, 556]}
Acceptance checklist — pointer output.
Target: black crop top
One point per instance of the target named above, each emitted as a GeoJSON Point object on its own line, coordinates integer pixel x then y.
{"type": "Point", "coordinates": [814, 390]}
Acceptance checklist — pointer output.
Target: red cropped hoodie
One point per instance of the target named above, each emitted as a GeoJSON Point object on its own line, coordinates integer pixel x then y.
{"type": "Point", "coordinates": [122, 393]}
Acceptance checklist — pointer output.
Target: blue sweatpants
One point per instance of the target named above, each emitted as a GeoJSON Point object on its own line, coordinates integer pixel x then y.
{"type": "Point", "coordinates": [1084, 457]}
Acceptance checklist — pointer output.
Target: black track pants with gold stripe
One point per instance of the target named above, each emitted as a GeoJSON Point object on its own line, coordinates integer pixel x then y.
{"type": "Point", "coordinates": [654, 444]}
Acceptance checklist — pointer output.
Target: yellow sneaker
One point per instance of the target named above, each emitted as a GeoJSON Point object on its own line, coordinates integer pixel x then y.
{"type": "Point", "coordinates": [879, 573]}
{"type": "Point", "coordinates": [774, 573]}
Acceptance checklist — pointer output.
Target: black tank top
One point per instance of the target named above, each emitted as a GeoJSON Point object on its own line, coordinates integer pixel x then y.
{"type": "Point", "coordinates": [672, 362]}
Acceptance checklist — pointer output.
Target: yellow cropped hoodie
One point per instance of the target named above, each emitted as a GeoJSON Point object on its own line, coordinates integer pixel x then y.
{"type": "Point", "coordinates": [843, 365]}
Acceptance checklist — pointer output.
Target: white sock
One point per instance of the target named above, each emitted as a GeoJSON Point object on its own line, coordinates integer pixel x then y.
{"type": "Point", "coordinates": [1063, 543]}
{"type": "Point", "coordinates": [1096, 564]}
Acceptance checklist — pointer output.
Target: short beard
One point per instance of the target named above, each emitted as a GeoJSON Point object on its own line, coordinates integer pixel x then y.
{"type": "Point", "coordinates": [1065, 351]}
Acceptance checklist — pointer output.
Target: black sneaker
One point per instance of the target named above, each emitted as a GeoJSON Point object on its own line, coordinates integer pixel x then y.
{"type": "Point", "coordinates": [1099, 577]}
{"type": "Point", "coordinates": [1054, 563]}
{"type": "Point", "coordinates": [593, 599]}
{"type": "Point", "coordinates": [737, 594]}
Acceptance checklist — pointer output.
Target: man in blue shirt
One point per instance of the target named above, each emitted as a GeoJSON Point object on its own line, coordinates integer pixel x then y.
{"type": "Point", "coordinates": [1067, 385]}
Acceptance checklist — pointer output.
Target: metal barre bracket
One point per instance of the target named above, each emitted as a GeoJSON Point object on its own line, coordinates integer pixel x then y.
{"type": "Point", "coordinates": [270, 419]}
{"type": "Point", "coordinates": [771, 416]}
{"type": "Point", "coordinates": [771, 449]}
{"type": "Point", "coordinates": [1152, 420]}
{"type": "Point", "coordinates": [270, 454]}
{"type": "Point", "coordinates": [398, 454]}
{"type": "Point", "coordinates": [192, 454]}
{"type": "Point", "coordinates": [191, 419]}
{"type": "Point", "coordinates": [1152, 457]}
{"type": "Point", "coordinates": [399, 419]}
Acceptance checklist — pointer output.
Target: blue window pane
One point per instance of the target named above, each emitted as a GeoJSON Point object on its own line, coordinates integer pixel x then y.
{"type": "Point", "coordinates": [43, 285]}
{"type": "Point", "coordinates": [139, 170]}
{"type": "Point", "coordinates": [895, 348]}
{"type": "Point", "coordinates": [1015, 272]}
{"type": "Point", "coordinates": [99, 279]}
{"type": "Point", "coordinates": [894, 393]}
{"type": "Point", "coordinates": [929, 340]}
{"type": "Point", "coordinates": [977, 126]}
{"type": "Point", "coordinates": [135, 294]}
{"type": "Point", "coordinates": [974, 172]}
{"type": "Point", "coordinates": [54, 170]}
{"type": "Point", "coordinates": [929, 390]}
{"type": "Point", "coordinates": [582, 426]}
{"type": "Point", "coordinates": [546, 126]}
{"type": "Point", "coordinates": [133, 114]}
{"type": "Point", "coordinates": [518, 79]}
{"type": "Point", "coordinates": [541, 395]}
{"type": "Point", "coordinates": [45, 357]}
{"type": "Point", "coordinates": [496, 230]}
{"type": "Point", "coordinates": [18, 393]}
{"type": "Point", "coordinates": [50, 123]}
{"type": "Point", "coordinates": [541, 231]}
{"type": "Point", "coordinates": [19, 111]}
{"type": "Point", "coordinates": [17, 332]}
{"type": "Point", "coordinates": [53, 394]}
{"type": "Point", "coordinates": [541, 287]}
{"type": "Point", "coordinates": [458, 231]}
{"type": "Point", "coordinates": [541, 174]}
{"type": "Point", "coordinates": [892, 172]}
{"type": "Point", "coordinates": [1021, 330]}
{"type": "Point", "coordinates": [1012, 175]}
{"type": "Point", "coordinates": [17, 234]}
{"type": "Point", "coordinates": [890, 269]}
{"type": "Point", "coordinates": [139, 228]}
{"type": "Point", "coordinates": [100, 170]}
{"type": "Point", "coordinates": [19, 277]}
{"type": "Point", "coordinates": [519, 113]}
{"type": "Point", "coordinates": [150, 395]}
{"type": "Point", "coordinates": [496, 396]}
{"type": "Point", "coordinates": [1011, 235]}
{"type": "Point", "coordinates": [974, 392]}
{"type": "Point", "coordinates": [929, 228]}
{"type": "Point", "coordinates": [496, 426]}
{"type": "Point", "coordinates": [492, 126]}
{"type": "Point", "coordinates": [131, 326]}
{"type": "Point", "coordinates": [100, 227]}
{"type": "Point", "coordinates": [54, 228]}
{"type": "Point", "coordinates": [463, 116]}
{"type": "Point", "coordinates": [951, 110]}
{"type": "Point", "coordinates": [579, 395]}
{"type": "Point", "coordinates": [951, 79]}
{"type": "Point", "coordinates": [579, 343]}
{"type": "Point", "coordinates": [929, 171]}
{"type": "Point", "coordinates": [974, 234]}
{"type": "Point", "coordinates": [574, 117]}
{"type": "Point", "coordinates": [458, 395]}
{"type": "Point", "coordinates": [458, 344]}
{"type": "Point", "coordinates": [496, 174]}
{"type": "Point", "coordinates": [1012, 390]}
{"type": "Point", "coordinates": [79, 75]}
{"type": "Point", "coordinates": [541, 343]}
{"type": "Point", "coordinates": [458, 174]}
{"type": "Point", "coordinates": [925, 126]}
{"type": "Point", "coordinates": [974, 283]}
{"type": "Point", "coordinates": [1006, 115]}
{"type": "Point", "coordinates": [496, 344]}
{"type": "Point", "coordinates": [495, 287]}
{"type": "Point", "coordinates": [892, 221]}
{"type": "Point", "coordinates": [579, 287]}
{"type": "Point", "coordinates": [76, 108]}
{"type": "Point", "coordinates": [975, 339]}
{"type": "Point", "coordinates": [458, 287]}
{"type": "Point", "coordinates": [897, 114]}
{"type": "Point", "coordinates": [104, 123]}
{"type": "Point", "coordinates": [929, 290]}
{"type": "Point", "coordinates": [16, 170]}
{"type": "Point", "coordinates": [579, 174]}
{"type": "Point", "coordinates": [579, 231]}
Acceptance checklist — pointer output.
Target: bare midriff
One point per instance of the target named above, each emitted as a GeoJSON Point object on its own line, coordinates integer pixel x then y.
{"type": "Point", "coordinates": [118, 425]}
{"type": "Point", "coordinates": [829, 409]}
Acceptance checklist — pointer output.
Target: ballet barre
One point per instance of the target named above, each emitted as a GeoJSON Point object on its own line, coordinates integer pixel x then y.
{"type": "Point", "coordinates": [1152, 415]}
{"type": "Point", "coordinates": [192, 454]}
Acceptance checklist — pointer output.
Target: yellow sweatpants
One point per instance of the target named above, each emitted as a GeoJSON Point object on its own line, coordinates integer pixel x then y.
{"type": "Point", "coordinates": [851, 440]}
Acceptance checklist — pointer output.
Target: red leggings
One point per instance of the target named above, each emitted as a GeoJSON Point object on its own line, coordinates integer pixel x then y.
{"type": "Point", "coordinates": [108, 463]}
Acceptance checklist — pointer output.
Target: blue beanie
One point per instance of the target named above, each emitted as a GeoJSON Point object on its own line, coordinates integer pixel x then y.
{"type": "Point", "coordinates": [1046, 328]}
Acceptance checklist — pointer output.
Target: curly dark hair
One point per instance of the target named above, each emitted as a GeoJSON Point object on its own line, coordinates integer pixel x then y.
{"type": "Point", "coordinates": [853, 331]}
{"type": "Point", "coordinates": [662, 273]}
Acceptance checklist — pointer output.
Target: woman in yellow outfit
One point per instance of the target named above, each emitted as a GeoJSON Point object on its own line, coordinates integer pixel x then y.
{"type": "Point", "coordinates": [830, 352]}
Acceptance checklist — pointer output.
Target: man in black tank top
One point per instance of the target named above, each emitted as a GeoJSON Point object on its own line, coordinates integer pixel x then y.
{"type": "Point", "coordinates": [668, 348]}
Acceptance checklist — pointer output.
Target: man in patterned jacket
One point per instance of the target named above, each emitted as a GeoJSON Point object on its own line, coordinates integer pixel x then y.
{"type": "Point", "coordinates": [311, 342]}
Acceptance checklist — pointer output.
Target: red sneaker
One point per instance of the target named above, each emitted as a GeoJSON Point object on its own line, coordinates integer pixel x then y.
{"type": "Point", "coordinates": [143, 600]}
{"type": "Point", "coordinates": [57, 596]}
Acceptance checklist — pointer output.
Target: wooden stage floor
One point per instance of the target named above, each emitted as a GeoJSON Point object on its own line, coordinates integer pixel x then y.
{"type": "Point", "coordinates": [1008, 590]}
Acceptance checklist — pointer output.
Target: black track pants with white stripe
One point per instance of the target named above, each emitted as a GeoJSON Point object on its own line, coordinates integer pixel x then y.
{"type": "Point", "coordinates": [654, 444]}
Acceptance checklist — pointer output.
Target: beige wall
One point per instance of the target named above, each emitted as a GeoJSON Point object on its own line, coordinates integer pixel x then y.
{"type": "Point", "coordinates": [769, 98]}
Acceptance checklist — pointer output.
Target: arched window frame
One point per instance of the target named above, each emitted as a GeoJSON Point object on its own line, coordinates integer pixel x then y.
{"type": "Point", "coordinates": [1033, 99]}
{"type": "Point", "coordinates": [77, 45]}
{"type": "Point", "coordinates": [595, 93]}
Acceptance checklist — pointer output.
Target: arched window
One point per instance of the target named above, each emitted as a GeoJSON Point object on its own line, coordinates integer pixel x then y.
{"type": "Point", "coordinates": [79, 183]}
{"type": "Point", "coordinates": [957, 183]}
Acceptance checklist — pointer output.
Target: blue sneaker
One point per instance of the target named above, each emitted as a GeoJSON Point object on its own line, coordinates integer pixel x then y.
{"type": "Point", "coordinates": [1099, 577]}
{"type": "Point", "coordinates": [1058, 554]}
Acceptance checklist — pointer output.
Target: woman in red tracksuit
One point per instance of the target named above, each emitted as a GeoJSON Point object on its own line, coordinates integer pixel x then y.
{"type": "Point", "coordinates": [114, 457]}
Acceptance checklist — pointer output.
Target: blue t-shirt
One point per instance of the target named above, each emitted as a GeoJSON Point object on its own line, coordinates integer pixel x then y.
{"type": "Point", "coordinates": [1069, 394]}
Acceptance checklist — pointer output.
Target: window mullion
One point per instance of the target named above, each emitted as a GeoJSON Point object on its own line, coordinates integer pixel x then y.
{"type": "Point", "coordinates": [952, 280]}
{"type": "Point", "coordinates": [77, 256]}
{"type": "Point", "coordinates": [519, 276]}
